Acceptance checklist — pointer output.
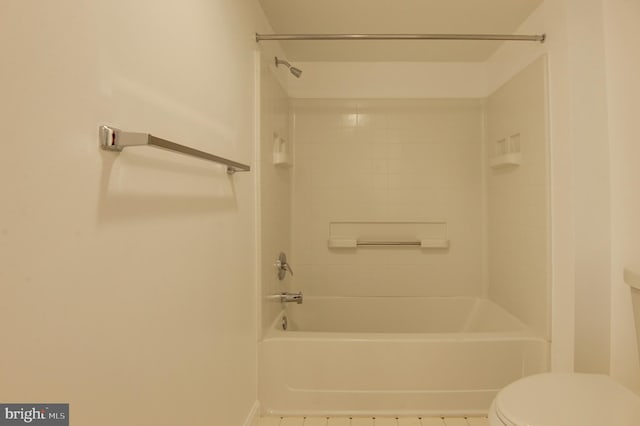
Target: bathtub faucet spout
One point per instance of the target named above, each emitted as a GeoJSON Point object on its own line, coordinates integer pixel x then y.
{"type": "Point", "coordinates": [291, 297]}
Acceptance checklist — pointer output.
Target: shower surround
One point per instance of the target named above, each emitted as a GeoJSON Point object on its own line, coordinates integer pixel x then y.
{"type": "Point", "coordinates": [393, 330]}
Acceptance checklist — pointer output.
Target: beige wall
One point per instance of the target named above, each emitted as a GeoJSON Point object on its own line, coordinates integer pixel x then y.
{"type": "Point", "coordinates": [622, 42]}
{"type": "Point", "coordinates": [588, 121]}
{"type": "Point", "coordinates": [388, 160]}
{"type": "Point", "coordinates": [128, 280]}
{"type": "Point", "coordinates": [518, 200]}
{"type": "Point", "coordinates": [275, 190]}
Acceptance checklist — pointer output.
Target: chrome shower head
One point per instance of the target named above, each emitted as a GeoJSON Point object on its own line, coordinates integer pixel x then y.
{"type": "Point", "coordinates": [295, 71]}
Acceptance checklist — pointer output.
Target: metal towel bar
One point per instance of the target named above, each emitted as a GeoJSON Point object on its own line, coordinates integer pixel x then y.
{"type": "Point", "coordinates": [430, 243]}
{"type": "Point", "coordinates": [112, 139]}
{"type": "Point", "coordinates": [388, 243]}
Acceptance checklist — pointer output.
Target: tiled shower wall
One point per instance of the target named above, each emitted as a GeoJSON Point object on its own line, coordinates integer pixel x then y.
{"type": "Point", "coordinates": [518, 200]}
{"type": "Point", "coordinates": [275, 193]}
{"type": "Point", "coordinates": [388, 160]}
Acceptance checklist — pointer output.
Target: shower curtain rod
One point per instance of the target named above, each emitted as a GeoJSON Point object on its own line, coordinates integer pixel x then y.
{"type": "Point", "coordinates": [505, 37]}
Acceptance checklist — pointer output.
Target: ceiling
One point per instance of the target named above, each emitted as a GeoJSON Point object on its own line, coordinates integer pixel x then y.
{"type": "Point", "coordinates": [395, 16]}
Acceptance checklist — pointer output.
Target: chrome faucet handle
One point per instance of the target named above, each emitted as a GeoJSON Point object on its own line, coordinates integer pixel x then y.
{"type": "Point", "coordinates": [287, 268]}
{"type": "Point", "coordinates": [282, 266]}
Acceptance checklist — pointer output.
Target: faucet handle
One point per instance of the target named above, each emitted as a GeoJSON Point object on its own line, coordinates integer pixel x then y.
{"type": "Point", "coordinates": [282, 266]}
{"type": "Point", "coordinates": [287, 268]}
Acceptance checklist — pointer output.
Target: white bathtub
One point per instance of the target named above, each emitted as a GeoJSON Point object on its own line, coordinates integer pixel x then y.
{"type": "Point", "coordinates": [394, 356]}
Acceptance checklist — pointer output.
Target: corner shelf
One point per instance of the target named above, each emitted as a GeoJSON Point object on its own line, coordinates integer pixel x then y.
{"type": "Point", "coordinates": [507, 152]}
{"type": "Point", "coordinates": [281, 155]}
{"type": "Point", "coordinates": [506, 160]}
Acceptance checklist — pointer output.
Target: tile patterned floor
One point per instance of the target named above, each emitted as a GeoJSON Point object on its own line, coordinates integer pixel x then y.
{"type": "Point", "coordinates": [373, 421]}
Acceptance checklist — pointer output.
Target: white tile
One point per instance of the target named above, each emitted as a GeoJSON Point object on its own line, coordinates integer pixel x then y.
{"type": "Point", "coordinates": [362, 421]}
{"type": "Point", "coordinates": [339, 421]}
{"type": "Point", "coordinates": [432, 421]}
{"type": "Point", "coordinates": [269, 421]}
{"type": "Point", "coordinates": [385, 421]}
{"type": "Point", "coordinates": [391, 168]}
{"type": "Point", "coordinates": [410, 421]}
{"type": "Point", "coordinates": [478, 421]}
{"type": "Point", "coordinates": [455, 421]}
{"type": "Point", "coordinates": [292, 421]}
{"type": "Point", "coordinates": [315, 421]}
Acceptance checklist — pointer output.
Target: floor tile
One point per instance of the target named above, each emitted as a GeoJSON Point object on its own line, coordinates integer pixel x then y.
{"type": "Point", "coordinates": [410, 421]}
{"type": "Point", "coordinates": [269, 421]}
{"type": "Point", "coordinates": [362, 421]}
{"type": "Point", "coordinates": [478, 421]}
{"type": "Point", "coordinates": [432, 421]}
{"type": "Point", "coordinates": [385, 421]}
{"type": "Point", "coordinates": [455, 421]}
{"type": "Point", "coordinates": [339, 421]}
{"type": "Point", "coordinates": [315, 421]}
{"type": "Point", "coordinates": [292, 421]}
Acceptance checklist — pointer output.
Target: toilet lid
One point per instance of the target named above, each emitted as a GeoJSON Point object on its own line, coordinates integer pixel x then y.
{"type": "Point", "coordinates": [567, 399]}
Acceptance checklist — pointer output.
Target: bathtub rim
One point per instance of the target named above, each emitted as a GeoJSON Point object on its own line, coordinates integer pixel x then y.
{"type": "Point", "coordinates": [275, 333]}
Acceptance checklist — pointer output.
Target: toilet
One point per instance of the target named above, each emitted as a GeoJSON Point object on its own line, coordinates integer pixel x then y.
{"type": "Point", "coordinates": [554, 399]}
{"type": "Point", "coordinates": [573, 399]}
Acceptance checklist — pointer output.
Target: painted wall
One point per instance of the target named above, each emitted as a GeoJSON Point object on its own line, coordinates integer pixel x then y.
{"type": "Point", "coordinates": [388, 160]}
{"type": "Point", "coordinates": [588, 121]}
{"type": "Point", "coordinates": [518, 197]}
{"type": "Point", "coordinates": [275, 190]}
{"type": "Point", "coordinates": [622, 41]}
{"type": "Point", "coordinates": [128, 280]}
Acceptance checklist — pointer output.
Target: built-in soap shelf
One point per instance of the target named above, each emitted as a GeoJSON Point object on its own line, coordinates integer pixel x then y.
{"type": "Point", "coordinates": [425, 235]}
{"type": "Point", "coordinates": [632, 278]}
{"type": "Point", "coordinates": [507, 152]}
{"type": "Point", "coordinates": [281, 154]}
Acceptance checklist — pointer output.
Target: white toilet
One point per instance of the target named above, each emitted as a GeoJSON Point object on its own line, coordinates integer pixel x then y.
{"type": "Point", "coordinates": [554, 399]}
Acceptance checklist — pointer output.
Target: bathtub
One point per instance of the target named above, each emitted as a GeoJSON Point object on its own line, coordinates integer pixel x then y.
{"type": "Point", "coordinates": [394, 356]}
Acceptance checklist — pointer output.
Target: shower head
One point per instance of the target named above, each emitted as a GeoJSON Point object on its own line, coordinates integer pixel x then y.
{"type": "Point", "coordinates": [295, 71]}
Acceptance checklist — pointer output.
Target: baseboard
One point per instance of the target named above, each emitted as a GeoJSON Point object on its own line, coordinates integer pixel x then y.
{"type": "Point", "coordinates": [254, 415]}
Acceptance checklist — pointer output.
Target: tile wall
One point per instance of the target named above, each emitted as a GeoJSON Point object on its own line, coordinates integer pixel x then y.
{"type": "Point", "coordinates": [518, 201]}
{"type": "Point", "coordinates": [388, 160]}
{"type": "Point", "coordinates": [275, 190]}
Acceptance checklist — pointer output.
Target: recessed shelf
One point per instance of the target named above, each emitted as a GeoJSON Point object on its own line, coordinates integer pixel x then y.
{"type": "Point", "coordinates": [431, 243]}
{"type": "Point", "coordinates": [424, 235]}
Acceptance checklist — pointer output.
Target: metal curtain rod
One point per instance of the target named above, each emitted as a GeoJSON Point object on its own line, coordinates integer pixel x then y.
{"type": "Point", "coordinates": [112, 139]}
{"type": "Point", "coordinates": [506, 37]}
